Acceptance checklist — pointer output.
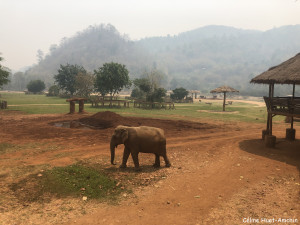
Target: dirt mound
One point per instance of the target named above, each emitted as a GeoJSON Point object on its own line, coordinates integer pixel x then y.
{"type": "Point", "coordinates": [103, 120]}
{"type": "Point", "coordinates": [107, 115]}
{"type": "Point", "coordinates": [107, 119]}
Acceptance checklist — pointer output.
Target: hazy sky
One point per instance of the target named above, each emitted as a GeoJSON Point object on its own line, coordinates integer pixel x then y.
{"type": "Point", "coordinates": [29, 25]}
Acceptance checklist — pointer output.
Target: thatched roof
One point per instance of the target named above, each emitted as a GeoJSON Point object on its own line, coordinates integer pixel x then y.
{"type": "Point", "coordinates": [287, 72]}
{"type": "Point", "coordinates": [194, 91]}
{"type": "Point", "coordinates": [223, 89]}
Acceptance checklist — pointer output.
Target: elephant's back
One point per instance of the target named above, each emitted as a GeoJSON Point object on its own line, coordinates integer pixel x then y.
{"type": "Point", "coordinates": [151, 134]}
{"type": "Point", "coordinates": [152, 131]}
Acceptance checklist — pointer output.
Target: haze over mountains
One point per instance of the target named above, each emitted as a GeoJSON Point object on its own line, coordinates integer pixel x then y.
{"type": "Point", "coordinates": [201, 59]}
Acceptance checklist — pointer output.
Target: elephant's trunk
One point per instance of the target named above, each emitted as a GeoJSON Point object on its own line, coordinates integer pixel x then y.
{"type": "Point", "coordinates": [112, 151]}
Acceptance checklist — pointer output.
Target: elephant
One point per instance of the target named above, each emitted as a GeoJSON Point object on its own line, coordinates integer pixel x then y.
{"type": "Point", "coordinates": [139, 139]}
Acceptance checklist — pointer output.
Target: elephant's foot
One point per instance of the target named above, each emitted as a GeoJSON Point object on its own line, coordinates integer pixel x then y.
{"type": "Point", "coordinates": [137, 169]}
{"type": "Point", "coordinates": [123, 166]}
{"type": "Point", "coordinates": [156, 165]}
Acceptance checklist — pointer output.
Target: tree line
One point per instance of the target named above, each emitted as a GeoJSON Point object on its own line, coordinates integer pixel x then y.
{"type": "Point", "coordinates": [110, 79]}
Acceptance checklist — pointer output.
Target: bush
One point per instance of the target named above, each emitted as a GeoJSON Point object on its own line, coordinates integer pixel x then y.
{"type": "Point", "coordinates": [36, 86]}
{"type": "Point", "coordinates": [138, 94]}
{"type": "Point", "coordinates": [157, 95]}
{"type": "Point", "coordinates": [53, 91]}
{"type": "Point", "coordinates": [179, 93]}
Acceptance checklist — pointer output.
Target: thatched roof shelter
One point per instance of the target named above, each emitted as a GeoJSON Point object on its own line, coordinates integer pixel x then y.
{"type": "Point", "coordinates": [224, 89]}
{"type": "Point", "coordinates": [287, 72]}
{"type": "Point", "coordinates": [194, 92]}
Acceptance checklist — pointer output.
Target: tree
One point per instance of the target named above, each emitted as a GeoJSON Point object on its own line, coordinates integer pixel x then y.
{"type": "Point", "coordinates": [137, 93]}
{"type": "Point", "coordinates": [157, 95]}
{"type": "Point", "coordinates": [179, 93]}
{"type": "Point", "coordinates": [40, 55]}
{"type": "Point", "coordinates": [53, 91]}
{"type": "Point", "coordinates": [111, 78]}
{"type": "Point", "coordinates": [154, 77]}
{"type": "Point", "coordinates": [36, 86]}
{"type": "Point", "coordinates": [84, 84]}
{"type": "Point", "coordinates": [142, 88]}
{"type": "Point", "coordinates": [143, 84]}
{"type": "Point", "coordinates": [19, 82]}
{"type": "Point", "coordinates": [148, 87]}
{"type": "Point", "coordinates": [66, 77]}
{"type": "Point", "coordinates": [4, 74]}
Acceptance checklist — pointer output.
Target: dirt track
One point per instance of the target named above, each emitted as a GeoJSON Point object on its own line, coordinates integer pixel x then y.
{"type": "Point", "coordinates": [220, 174]}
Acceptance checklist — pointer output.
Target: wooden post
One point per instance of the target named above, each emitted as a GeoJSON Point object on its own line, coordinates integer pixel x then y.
{"type": "Point", "coordinates": [224, 101]}
{"type": "Point", "coordinates": [270, 116]}
{"type": "Point", "coordinates": [72, 107]}
{"type": "Point", "coordinates": [291, 133]}
{"type": "Point", "coordinates": [292, 120]}
{"type": "Point", "coordinates": [268, 119]}
{"type": "Point", "coordinates": [81, 106]}
{"type": "Point", "coordinates": [270, 140]}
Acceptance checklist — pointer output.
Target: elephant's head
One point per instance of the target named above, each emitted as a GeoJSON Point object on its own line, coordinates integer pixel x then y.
{"type": "Point", "coordinates": [119, 137]}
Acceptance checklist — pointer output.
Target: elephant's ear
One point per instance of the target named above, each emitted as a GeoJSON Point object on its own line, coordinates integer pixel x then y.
{"type": "Point", "coordinates": [124, 135]}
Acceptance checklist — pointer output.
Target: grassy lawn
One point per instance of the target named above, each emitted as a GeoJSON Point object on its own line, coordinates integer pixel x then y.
{"type": "Point", "coordinates": [22, 99]}
{"type": "Point", "coordinates": [40, 104]}
{"type": "Point", "coordinates": [74, 180]}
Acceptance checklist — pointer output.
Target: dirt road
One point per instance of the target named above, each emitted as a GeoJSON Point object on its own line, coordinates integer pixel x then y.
{"type": "Point", "coordinates": [220, 174]}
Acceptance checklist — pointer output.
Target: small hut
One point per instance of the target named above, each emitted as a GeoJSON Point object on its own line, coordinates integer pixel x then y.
{"type": "Point", "coordinates": [287, 72]}
{"type": "Point", "coordinates": [194, 93]}
{"type": "Point", "coordinates": [224, 89]}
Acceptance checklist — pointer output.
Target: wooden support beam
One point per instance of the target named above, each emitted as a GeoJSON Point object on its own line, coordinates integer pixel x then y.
{"type": "Point", "coordinates": [292, 119]}
{"type": "Point", "coordinates": [224, 101]}
{"type": "Point", "coordinates": [72, 107]}
{"type": "Point", "coordinates": [81, 106]}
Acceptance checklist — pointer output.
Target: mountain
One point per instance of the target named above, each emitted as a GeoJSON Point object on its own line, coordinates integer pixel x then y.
{"type": "Point", "coordinates": [212, 56]}
{"type": "Point", "coordinates": [91, 48]}
{"type": "Point", "coordinates": [201, 59]}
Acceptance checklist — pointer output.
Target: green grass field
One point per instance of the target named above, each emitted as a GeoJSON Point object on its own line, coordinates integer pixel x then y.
{"type": "Point", "coordinates": [40, 104]}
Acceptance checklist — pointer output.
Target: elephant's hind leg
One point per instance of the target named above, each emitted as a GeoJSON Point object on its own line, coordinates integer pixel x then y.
{"type": "Point", "coordinates": [157, 161]}
{"type": "Point", "coordinates": [168, 164]}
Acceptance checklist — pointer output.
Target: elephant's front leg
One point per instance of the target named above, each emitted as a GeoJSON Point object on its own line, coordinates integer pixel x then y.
{"type": "Point", "coordinates": [125, 157]}
{"type": "Point", "coordinates": [135, 157]}
{"type": "Point", "coordinates": [157, 161]}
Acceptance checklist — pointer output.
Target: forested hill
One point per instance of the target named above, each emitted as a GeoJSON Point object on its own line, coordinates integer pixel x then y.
{"type": "Point", "coordinates": [200, 59]}
{"type": "Point", "coordinates": [91, 48]}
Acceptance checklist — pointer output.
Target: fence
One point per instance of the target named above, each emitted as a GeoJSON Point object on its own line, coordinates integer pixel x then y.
{"type": "Point", "coordinates": [3, 104]}
{"type": "Point", "coordinates": [153, 105]}
{"type": "Point", "coordinates": [285, 106]}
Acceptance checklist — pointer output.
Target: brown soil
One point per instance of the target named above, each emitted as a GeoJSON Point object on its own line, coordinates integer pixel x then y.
{"type": "Point", "coordinates": [221, 172]}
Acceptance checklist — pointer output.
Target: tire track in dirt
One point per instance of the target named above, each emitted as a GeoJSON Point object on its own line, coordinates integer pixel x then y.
{"type": "Point", "coordinates": [75, 153]}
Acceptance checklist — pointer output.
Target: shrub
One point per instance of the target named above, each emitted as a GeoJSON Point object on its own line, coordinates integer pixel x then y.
{"type": "Point", "coordinates": [53, 91]}
{"type": "Point", "coordinates": [36, 86]}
